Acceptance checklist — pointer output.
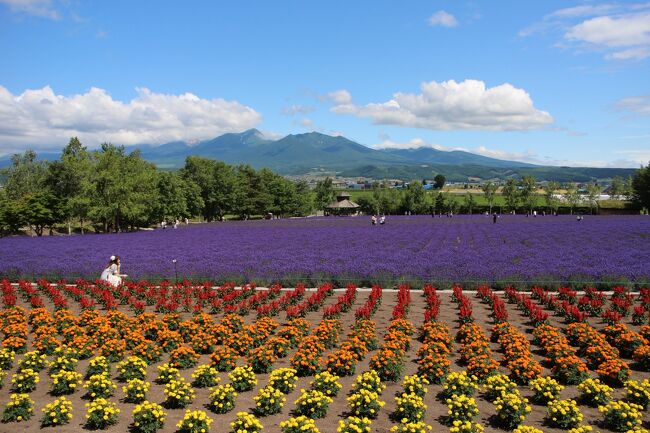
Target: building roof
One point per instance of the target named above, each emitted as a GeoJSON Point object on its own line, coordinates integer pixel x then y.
{"type": "Point", "coordinates": [343, 204]}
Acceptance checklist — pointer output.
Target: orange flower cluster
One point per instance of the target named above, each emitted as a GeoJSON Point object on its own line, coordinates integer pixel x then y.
{"type": "Point", "coordinates": [567, 367]}
{"type": "Point", "coordinates": [624, 339]}
{"type": "Point", "coordinates": [433, 355]}
{"type": "Point", "coordinates": [328, 332]}
{"type": "Point", "coordinates": [183, 357]}
{"type": "Point", "coordinates": [343, 361]}
{"type": "Point", "coordinates": [475, 351]}
{"type": "Point", "coordinates": [14, 329]}
{"type": "Point", "coordinates": [389, 361]}
{"type": "Point", "coordinates": [516, 353]}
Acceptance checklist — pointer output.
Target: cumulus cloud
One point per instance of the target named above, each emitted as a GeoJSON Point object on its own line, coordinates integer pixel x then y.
{"type": "Point", "coordinates": [340, 97]}
{"type": "Point", "coordinates": [414, 143]}
{"type": "Point", "coordinates": [444, 19]}
{"type": "Point", "coordinates": [38, 8]}
{"type": "Point", "coordinates": [635, 104]}
{"type": "Point", "coordinates": [297, 109]}
{"type": "Point", "coordinates": [41, 118]}
{"type": "Point", "coordinates": [620, 31]}
{"type": "Point", "coordinates": [450, 105]}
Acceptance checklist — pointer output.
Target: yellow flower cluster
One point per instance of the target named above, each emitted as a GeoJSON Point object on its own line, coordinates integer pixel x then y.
{"type": "Point", "coordinates": [167, 373]}
{"type": "Point", "coordinates": [283, 379]}
{"type": "Point", "coordinates": [148, 417]}
{"type": "Point", "coordinates": [246, 423]}
{"type": "Point", "coordinates": [459, 383]}
{"type": "Point", "coordinates": [132, 368]}
{"type": "Point", "coordinates": [409, 407]}
{"type": "Point", "coordinates": [6, 358]}
{"type": "Point", "coordinates": [65, 382]}
{"type": "Point", "coordinates": [365, 403]}
{"type": "Point", "coordinates": [300, 424]}
{"type": "Point", "coordinates": [179, 393]}
{"type": "Point", "coordinates": [415, 384]}
{"type": "Point", "coordinates": [621, 415]}
{"type": "Point", "coordinates": [243, 378]}
{"type": "Point", "coordinates": [581, 429]}
{"type": "Point", "coordinates": [469, 427]}
{"type": "Point", "coordinates": [98, 365]}
{"type": "Point", "coordinates": [511, 409]}
{"type": "Point", "coordinates": [638, 392]}
{"type": "Point", "coordinates": [25, 380]}
{"type": "Point", "coordinates": [369, 381]}
{"type": "Point", "coordinates": [222, 399]}
{"type": "Point", "coordinates": [205, 376]}
{"type": "Point", "coordinates": [19, 408]}
{"type": "Point", "coordinates": [563, 414]}
{"type": "Point", "coordinates": [101, 413]}
{"type": "Point", "coordinates": [411, 427]}
{"type": "Point", "coordinates": [135, 390]}
{"type": "Point", "coordinates": [313, 403]}
{"type": "Point", "coordinates": [57, 413]}
{"type": "Point", "coordinates": [546, 389]}
{"type": "Point", "coordinates": [33, 360]}
{"type": "Point", "coordinates": [497, 385]}
{"type": "Point", "coordinates": [353, 424]}
{"type": "Point", "coordinates": [526, 429]}
{"type": "Point", "coordinates": [269, 401]}
{"type": "Point", "coordinates": [99, 385]}
{"type": "Point", "coordinates": [594, 392]}
{"type": "Point", "coordinates": [63, 363]}
{"type": "Point", "coordinates": [327, 383]}
{"type": "Point", "coordinates": [195, 421]}
{"type": "Point", "coordinates": [461, 407]}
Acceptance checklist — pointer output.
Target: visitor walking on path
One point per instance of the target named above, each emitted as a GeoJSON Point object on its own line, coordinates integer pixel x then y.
{"type": "Point", "coordinates": [112, 272]}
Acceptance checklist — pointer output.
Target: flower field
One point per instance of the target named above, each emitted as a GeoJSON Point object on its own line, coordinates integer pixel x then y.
{"type": "Point", "coordinates": [192, 358]}
{"type": "Point", "coordinates": [418, 249]}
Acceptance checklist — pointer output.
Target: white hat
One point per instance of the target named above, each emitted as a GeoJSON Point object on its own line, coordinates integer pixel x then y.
{"type": "Point", "coordinates": [112, 258]}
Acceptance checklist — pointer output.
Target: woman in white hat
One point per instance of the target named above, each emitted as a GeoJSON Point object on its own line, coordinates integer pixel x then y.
{"type": "Point", "coordinates": [112, 272]}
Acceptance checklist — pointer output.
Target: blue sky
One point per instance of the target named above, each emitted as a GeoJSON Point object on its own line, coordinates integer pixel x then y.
{"type": "Point", "coordinates": [552, 82]}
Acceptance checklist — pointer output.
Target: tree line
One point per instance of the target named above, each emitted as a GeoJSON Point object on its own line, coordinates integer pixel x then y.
{"type": "Point", "coordinates": [112, 190]}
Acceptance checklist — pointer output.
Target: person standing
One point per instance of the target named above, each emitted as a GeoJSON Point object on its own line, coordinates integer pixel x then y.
{"type": "Point", "coordinates": [494, 218]}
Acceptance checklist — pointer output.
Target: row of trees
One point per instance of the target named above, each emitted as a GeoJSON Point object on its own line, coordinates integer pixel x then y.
{"type": "Point", "coordinates": [113, 191]}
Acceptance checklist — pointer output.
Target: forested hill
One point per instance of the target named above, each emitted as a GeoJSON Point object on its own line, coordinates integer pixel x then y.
{"type": "Point", "coordinates": [315, 152]}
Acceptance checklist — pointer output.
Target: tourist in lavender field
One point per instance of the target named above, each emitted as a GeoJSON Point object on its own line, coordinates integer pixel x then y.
{"type": "Point", "coordinates": [382, 220]}
{"type": "Point", "coordinates": [373, 220]}
{"type": "Point", "coordinates": [112, 272]}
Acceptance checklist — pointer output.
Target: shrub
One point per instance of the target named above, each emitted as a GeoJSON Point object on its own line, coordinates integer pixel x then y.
{"type": "Point", "coordinates": [224, 358]}
{"type": "Point", "coordinates": [101, 414]}
{"type": "Point", "coordinates": [461, 407]}
{"type": "Point", "coordinates": [135, 390]}
{"type": "Point", "coordinates": [327, 383]}
{"type": "Point", "coordinates": [58, 412]}
{"type": "Point", "coordinates": [194, 421]}
{"type": "Point", "coordinates": [222, 399]}
{"type": "Point", "coordinates": [183, 357]}
{"type": "Point", "coordinates": [178, 393]}
{"type": "Point", "coordinates": [25, 380]}
{"type": "Point", "coordinates": [246, 422]}
{"type": "Point", "coordinates": [205, 376]}
{"type": "Point", "coordinates": [594, 393]}
{"type": "Point", "coordinates": [99, 386]}
{"type": "Point", "coordinates": [546, 389]}
{"type": "Point", "coordinates": [132, 368]}
{"type": "Point", "coordinates": [511, 409]}
{"type": "Point", "coordinates": [409, 408]}
{"type": "Point", "coordinates": [563, 414]}
{"type": "Point", "coordinates": [470, 427]}
{"type": "Point", "coordinates": [354, 424]}
{"type": "Point", "coordinates": [283, 379]}
{"type": "Point", "coordinates": [148, 417]}
{"type": "Point", "coordinates": [459, 383]}
{"type": "Point", "coordinates": [19, 408]}
{"type": "Point", "coordinates": [6, 359]}
{"type": "Point", "coordinates": [300, 424]}
{"type": "Point", "coordinates": [65, 382]}
{"type": "Point", "coordinates": [98, 365]}
{"type": "Point", "coordinates": [167, 373]}
{"type": "Point", "coordinates": [312, 403]}
{"type": "Point", "coordinates": [415, 385]}
{"type": "Point", "coordinates": [621, 416]}
{"type": "Point", "coordinates": [269, 401]}
{"type": "Point", "coordinates": [411, 427]}
{"type": "Point", "coordinates": [365, 403]}
{"type": "Point", "coordinates": [369, 381]}
{"type": "Point", "coordinates": [243, 378]}
{"type": "Point", "coordinates": [638, 392]}
{"type": "Point", "coordinates": [497, 385]}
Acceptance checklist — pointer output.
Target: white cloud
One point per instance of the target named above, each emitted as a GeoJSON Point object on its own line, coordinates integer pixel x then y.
{"type": "Point", "coordinates": [38, 8]}
{"type": "Point", "coordinates": [340, 97]}
{"type": "Point", "coordinates": [42, 118]}
{"type": "Point", "coordinates": [620, 31]}
{"type": "Point", "coordinates": [442, 18]}
{"type": "Point", "coordinates": [454, 106]}
{"type": "Point", "coordinates": [636, 104]}
{"type": "Point", "coordinates": [297, 109]}
{"type": "Point", "coordinates": [526, 156]}
{"type": "Point", "coordinates": [307, 123]}
{"type": "Point", "coordinates": [414, 143]}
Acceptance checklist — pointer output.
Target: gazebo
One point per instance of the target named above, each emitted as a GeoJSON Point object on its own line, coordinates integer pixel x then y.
{"type": "Point", "coordinates": [343, 205]}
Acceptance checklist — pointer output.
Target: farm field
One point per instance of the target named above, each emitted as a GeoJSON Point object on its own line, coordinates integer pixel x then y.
{"type": "Point", "coordinates": [415, 249]}
{"type": "Point", "coordinates": [565, 335]}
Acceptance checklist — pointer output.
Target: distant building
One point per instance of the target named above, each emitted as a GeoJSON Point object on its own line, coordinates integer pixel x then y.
{"type": "Point", "coordinates": [343, 205]}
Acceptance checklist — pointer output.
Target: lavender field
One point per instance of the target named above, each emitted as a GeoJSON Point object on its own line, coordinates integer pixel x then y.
{"type": "Point", "coordinates": [462, 248]}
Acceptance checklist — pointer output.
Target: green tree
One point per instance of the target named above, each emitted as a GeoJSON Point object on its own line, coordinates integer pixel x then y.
{"type": "Point", "coordinates": [470, 202]}
{"type": "Point", "coordinates": [510, 192]}
{"type": "Point", "coordinates": [641, 187]}
{"type": "Point", "coordinates": [415, 198]}
{"type": "Point", "coordinates": [215, 181]}
{"type": "Point", "coordinates": [593, 191]}
{"type": "Point", "coordinates": [629, 188]}
{"type": "Point", "coordinates": [12, 214]}
{"type": "Point", "coordinates": [489, 191]}
{"type": "Point", "coordinates": [617, 188]}
{"type": "Point", "coordinates": [40, 211]}
{"type": "Point", "coordinates": [552, 201]}
{"type": "Point", "coordinates": [324, 193]}
{"type": "Point", "coordinates": [572, 197]}
{"type": "Point", "coordinates": [25, 176]}
{"type": "Point", "coordinates": [439, 181]}
{"type": "Point", "coordinates": [527, 192]}
{"type": "Point", "coordinates": [440, 204]}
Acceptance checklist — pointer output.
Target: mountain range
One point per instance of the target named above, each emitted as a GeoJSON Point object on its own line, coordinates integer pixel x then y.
{"type": "Point", "coordinates": [299, 154]}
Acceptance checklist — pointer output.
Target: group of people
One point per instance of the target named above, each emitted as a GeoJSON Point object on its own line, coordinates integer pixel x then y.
{"type": "Point", "coordinates": [111, 273]}
{"type": "Point", "coordinates": [381, 219]}
{"type": "Point", "coordinates": [175, 224]}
